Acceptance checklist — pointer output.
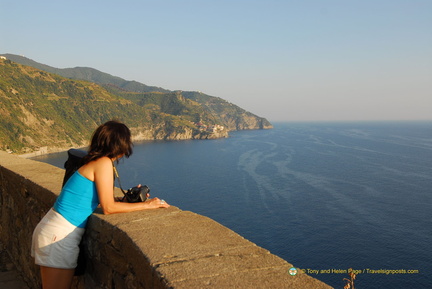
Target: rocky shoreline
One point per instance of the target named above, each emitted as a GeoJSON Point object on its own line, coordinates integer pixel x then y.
{"type": "Point", "coordinates": [138, 136]}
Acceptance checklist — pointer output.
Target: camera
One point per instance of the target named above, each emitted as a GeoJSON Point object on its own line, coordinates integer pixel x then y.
{"type": "Point", "coordinates": [137, 194]}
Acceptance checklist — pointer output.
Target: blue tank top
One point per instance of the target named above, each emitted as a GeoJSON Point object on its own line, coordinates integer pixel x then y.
{"type": "Point", "coordinates": [78, 200]}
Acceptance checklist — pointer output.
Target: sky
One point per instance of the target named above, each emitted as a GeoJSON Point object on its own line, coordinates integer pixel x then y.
{"type": "Point", "coordinates": [285, 60]}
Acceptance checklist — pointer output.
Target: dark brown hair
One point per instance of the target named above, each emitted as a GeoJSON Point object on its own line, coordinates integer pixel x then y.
{"type": "Point", "coordinates": [111, 139]}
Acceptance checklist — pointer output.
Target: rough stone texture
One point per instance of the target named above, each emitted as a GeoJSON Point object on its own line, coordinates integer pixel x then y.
{"type": "Point", "coordinates": [9, 276]}
{"type": "Point", "coordinates": [163, 248]}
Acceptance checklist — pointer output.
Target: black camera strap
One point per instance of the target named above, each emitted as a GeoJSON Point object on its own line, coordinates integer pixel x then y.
{"type": "Point", "coordinates": [116, 174]}
{"type": "Point", "coordinates": [133, 195]}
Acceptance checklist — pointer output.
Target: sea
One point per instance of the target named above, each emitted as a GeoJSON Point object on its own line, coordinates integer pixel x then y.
{"type": "Point", "coordinates": [326, 197]}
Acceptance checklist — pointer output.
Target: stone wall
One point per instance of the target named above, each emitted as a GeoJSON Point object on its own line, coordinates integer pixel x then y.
{"type": "Point", "coordinates": [163, 248]}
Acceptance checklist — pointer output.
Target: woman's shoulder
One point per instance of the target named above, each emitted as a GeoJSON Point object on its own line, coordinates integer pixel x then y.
{"type": "Point", "coordinates": [101, 164]}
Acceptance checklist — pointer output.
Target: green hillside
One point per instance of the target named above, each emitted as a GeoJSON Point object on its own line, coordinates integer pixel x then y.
{"type": "Point", "coordinates": [86, 73]}
{"type": "Point", "coordinates": [50, 108]}
{"type": "Point", "coordinates": [213, 109]}
{"type": "Point", "coordinates": [40, 109]}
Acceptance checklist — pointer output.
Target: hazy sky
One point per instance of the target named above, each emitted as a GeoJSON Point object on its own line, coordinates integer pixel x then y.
{"type": "Point", "coordinates": [301, 60]}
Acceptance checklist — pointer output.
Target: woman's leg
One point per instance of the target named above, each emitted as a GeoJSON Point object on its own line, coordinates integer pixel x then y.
{"type": "Point", "coordinates": [54, 278]}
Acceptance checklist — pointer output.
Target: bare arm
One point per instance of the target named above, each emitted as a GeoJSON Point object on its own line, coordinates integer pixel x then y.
{"type": "Point", "coordinates": [104, 179]}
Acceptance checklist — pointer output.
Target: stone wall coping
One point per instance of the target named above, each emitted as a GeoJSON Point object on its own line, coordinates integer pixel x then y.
{"type": "Point", "coordinates": [164, 248]}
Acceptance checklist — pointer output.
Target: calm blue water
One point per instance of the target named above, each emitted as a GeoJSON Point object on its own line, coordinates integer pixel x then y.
{"type": "Point", "coordinates": [320, 195]}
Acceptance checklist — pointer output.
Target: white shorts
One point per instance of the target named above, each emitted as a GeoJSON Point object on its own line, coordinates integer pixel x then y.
{"type": "Point", "coordinates": [55, 242]}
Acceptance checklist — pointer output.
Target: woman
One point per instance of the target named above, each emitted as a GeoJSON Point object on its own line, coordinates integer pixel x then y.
{"type": "Point", "coordinates": [57, 236]}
